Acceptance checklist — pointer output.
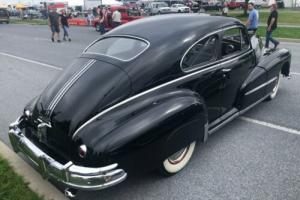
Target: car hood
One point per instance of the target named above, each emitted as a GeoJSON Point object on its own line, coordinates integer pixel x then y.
{"type": "Point", "coordinates": [87, 87]}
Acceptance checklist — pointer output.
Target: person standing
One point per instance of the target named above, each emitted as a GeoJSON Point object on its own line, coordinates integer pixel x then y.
{"type": "Point", "coordinates": [65, 25]}
{"type": "Point", "coordinates": [101, 22]}
{"type": "Point", "coordinates": [53, 22]}
{"type": "Point", "coordinates": [116, 17]}
{"type": "Point", "coordinates": [252, 22]}
{"type": "Point", "coordinates": [225, 9]}
{"type": "Point", "coordinates": [272, 25]}
{"type": "Point", "coordinates": [109, 17]}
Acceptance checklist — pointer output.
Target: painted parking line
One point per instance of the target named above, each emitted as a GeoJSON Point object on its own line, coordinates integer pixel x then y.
{"type": "Point", "coordinates": [31, 61]}
{"type": "Point", "coordinates": [270, 125]}
{"type": "Point", "coordinates": [295, 73]}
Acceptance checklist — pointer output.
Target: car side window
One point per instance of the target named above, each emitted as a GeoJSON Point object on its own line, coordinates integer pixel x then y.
{"type": "Point", "coordinates": [234, 41]}
{"type": "Point", "coordinates": [201, 53]}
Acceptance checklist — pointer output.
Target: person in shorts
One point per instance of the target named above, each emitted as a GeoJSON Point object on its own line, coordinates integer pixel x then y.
{"type": "Point", "coordinates": [54, 22]}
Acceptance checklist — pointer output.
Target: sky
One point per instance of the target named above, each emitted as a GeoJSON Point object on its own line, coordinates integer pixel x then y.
{"type": "Point", "coordinates": [70, 2]}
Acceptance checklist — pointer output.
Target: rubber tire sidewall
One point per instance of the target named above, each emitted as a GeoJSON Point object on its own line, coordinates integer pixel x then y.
{"type": "Point", "coordinates": [273, 95]}
{"type": "Point", "coordinates": [168, 169]}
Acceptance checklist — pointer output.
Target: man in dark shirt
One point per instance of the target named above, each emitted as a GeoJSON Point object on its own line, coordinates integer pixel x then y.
{"type": "Point", "coordinates": [53, 22]}
{"type": "Point", "coordinates": [272, 25]}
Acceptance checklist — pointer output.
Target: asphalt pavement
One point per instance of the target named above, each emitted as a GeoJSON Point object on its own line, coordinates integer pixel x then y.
{"type": "Point", "coordinates": [246, 159]}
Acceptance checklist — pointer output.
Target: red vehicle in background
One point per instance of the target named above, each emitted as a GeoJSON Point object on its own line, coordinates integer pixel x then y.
{"type": "Point", "coordinates": [58, 6]}
{"type": "Point", "coordinates": [127, 15]}
{"type": "Point", "coordinates": [233, 4]}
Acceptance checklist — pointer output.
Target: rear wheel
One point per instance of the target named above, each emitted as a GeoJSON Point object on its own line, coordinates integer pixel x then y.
{"type": "Point", "coordinates": [275, 89]}
{"type": "Point", "coordinates": [177, 161]}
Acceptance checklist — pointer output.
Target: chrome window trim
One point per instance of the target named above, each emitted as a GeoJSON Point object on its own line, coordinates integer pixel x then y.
{"type": "Point", "coordinates": [261, 86]}
{"type": "Point", "coordinates": [120, 36]}
{"type": "Point", "coordinates": [153, 89]}
{"type": "Point", "coordinates": [215, 61]}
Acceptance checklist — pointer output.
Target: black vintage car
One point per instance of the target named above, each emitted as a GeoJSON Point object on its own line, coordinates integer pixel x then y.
{"type": "Point", "coordinates": [140, 98]}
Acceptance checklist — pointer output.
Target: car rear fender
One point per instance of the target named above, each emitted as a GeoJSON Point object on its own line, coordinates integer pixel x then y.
{"type": "Point", "coordinates": [147, 130]}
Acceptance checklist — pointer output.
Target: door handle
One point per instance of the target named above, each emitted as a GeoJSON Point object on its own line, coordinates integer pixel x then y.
{"type": "Point", "coordinates": [226, 70]}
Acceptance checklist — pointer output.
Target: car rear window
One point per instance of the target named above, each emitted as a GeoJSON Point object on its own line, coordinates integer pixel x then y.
{"type": "Point", "coordinates": [122, 48]}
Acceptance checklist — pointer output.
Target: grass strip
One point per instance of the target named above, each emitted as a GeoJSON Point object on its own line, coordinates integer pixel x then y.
{"type": "Point", "coordinates": [281, 32]}
{"type": "Point", "coordinates": [288, 18]}
{"type": "Point", "coordinates": [12, 186]}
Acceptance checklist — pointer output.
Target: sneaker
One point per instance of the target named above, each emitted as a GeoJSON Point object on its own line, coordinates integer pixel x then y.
{"type": "Point", "coordinates": [58, 41]}
{"type": "Point", "coordinates": [70, 40]}
{"type": "Point", "coordinates": [276, 45]}
{"type": "Point", "coordinates": [52, 39]}
{"type": "Point", "coordinates": [266, 50]}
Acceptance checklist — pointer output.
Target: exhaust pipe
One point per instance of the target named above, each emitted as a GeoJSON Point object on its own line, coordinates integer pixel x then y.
{"type": "Point", "coordinates": [70, 193]}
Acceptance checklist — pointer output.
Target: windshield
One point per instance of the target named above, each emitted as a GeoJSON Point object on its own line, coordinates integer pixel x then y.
{"type": "Point", "coordinates": [121, 48]}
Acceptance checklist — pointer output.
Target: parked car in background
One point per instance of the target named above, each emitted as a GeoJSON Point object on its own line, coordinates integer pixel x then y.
{"type": "Point", "coordinates": [260, 3]}
{"type": "Point", "coordinates": [233, 4]}
{"type": "Point", "coordinates": [157, 8]}
{"type": "Point", "coordinates": [127, 15]}
{"type": "Point", "coordinates": [194, 6]}
{"type": "Point", "coordinates": [135, 101]}
{"type": "Point", "coordinates": [33, 13]}
{"type": "Point", "coordinates": [211, 6]}
{"type": "Point", "coordinates": [179, 8]}
{"type": "Point", "coordinates": [4, 16]}
{"type": "Point", "coordinates": [280, 3]}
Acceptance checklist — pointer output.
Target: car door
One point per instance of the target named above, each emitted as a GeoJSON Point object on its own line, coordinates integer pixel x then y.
{"type": "Point", "coordinates": [236, 63]}
{"type": "Point", "coordinates": [203, 57]}
{"type": "Point", "coordinates": [173, 8]}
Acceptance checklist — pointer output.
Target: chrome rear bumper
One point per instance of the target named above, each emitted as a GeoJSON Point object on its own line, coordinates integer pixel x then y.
{"type": "Point", "coordinates": [73, 176]}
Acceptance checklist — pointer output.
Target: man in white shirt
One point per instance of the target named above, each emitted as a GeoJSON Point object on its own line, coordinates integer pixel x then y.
{"type": "Point", "coordinates": [116, 18]}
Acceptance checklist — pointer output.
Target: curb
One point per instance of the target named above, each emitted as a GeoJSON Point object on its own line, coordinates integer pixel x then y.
{"type": "Point", "coordinates": [35, 181]}
{"type": "Point", "coordinates": [290, 40]}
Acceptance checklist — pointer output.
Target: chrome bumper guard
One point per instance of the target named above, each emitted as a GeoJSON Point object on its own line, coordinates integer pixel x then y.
{"type": "Point", "coordinates": [77, 177]}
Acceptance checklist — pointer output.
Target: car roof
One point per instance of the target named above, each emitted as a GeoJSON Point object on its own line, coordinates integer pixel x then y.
{"type": "Point", "coordinates": [165, 26]}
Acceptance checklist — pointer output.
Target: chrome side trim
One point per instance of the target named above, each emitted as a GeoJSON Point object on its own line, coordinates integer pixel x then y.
{"type": "Point", "coordinates": [254, 104]}
{"type": "Point", "coordinates": [232, 117]}
{"type": "Point", "coordinates": [261, 86]}
{"type": "Point", "coordinates": [124, 36]}
{"type": "Point", "coordinates": [208, 69]}
{"type": "Point", "coordinates": [68, 85]}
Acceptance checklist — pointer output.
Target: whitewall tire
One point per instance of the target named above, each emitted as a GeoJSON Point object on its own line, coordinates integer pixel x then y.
{"type": "Point", "coordinates": [178, 160]}
{"type": "Point", "coordinates": [275, 89]}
